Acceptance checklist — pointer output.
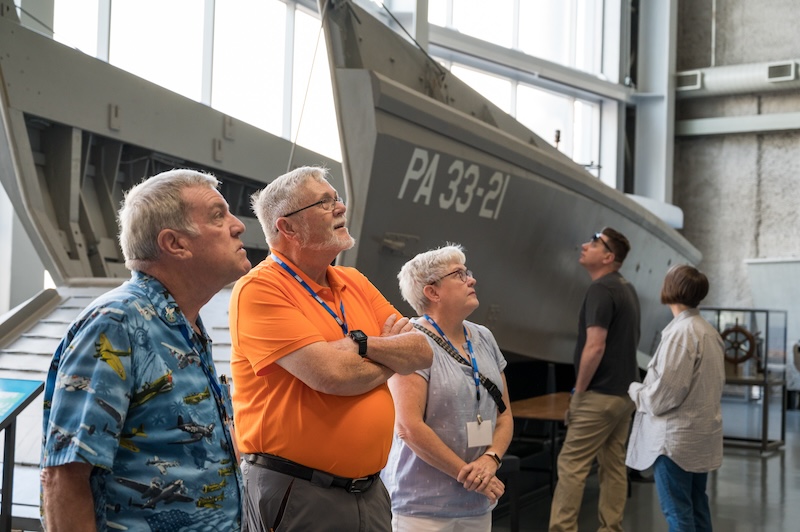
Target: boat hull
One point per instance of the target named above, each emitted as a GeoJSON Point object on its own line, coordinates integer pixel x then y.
{"type": "Point", "coordinates": [421, 173]}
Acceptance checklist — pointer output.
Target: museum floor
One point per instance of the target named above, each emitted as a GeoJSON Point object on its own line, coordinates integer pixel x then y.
{"type": "Point", "coordinates": [752, 491]}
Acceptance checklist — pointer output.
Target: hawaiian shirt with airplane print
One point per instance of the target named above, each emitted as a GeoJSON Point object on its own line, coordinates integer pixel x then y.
{"type": "Point", "coordinates": [133, 391]}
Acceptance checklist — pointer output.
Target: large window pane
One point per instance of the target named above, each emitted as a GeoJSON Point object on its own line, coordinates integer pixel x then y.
{"type": "Point", "coordinates": [496, 90]}
{"type": "Point", "coordinates": [313, 113]}
{"type": "Point", "coordinates": [437, 12]}
{"type": "Point", "coordinates": [249, 55]}
{"type": "Point", "coordinates": [589, 37]}
{"type": "Point", "coordinates": [160, 41]}
{"type": "Point", "coordinates": [577, 123]}
{"type": "Point", "coordinates": [545, 113]}
{"type": "Point", "coordinates": [567, 32]}
{"type": "Point", "coordinates": [490, 21]}
{"type": "Point", "coordinates": [586, 135]}
{"type": "Point", "coordinates": [75, 24]}
{"type": "Point", "coordinates": [546, 30]}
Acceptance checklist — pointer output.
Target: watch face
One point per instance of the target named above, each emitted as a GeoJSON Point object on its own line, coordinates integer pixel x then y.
{"type": "Point", "coordinates": [361, 339]}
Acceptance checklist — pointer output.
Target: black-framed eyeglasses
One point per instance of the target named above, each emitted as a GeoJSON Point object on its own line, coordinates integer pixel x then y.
{"type": "Point", "coordinates": [462, 275]}
{"type": "Point", "coordinates": [598, 236]}
{"type": "Point", "coordinates": [326, 203]}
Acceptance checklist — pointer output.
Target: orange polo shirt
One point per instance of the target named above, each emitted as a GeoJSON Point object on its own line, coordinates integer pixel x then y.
{"type": "Point", "coordinates": [273, 315]}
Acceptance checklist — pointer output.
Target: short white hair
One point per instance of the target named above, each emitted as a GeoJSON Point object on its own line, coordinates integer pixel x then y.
{"type": "Point", "coordinates": [424, 269]}
{"type": "Point", "coordinates": [282, 196]}
{"type": "Point", "coordinates": [153, 205]}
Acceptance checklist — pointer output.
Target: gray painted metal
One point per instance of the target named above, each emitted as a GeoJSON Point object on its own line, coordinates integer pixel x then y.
{"type": "Point", "coordinates": [772, 76]}
{"type": "Point", "coordinates": [428, 160]}
{"type": "Point", "coordinates": [77, 132]}
{"type": "Point", "coordinates": [727, 125]}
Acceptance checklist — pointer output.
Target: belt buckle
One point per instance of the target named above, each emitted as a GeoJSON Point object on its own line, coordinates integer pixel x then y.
{"type": "Point", "coordinates": [354, 486]}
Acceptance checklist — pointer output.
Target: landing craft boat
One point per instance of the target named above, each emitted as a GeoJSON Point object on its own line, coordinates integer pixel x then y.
{"type": "Point", "coordinates": [427, 160]}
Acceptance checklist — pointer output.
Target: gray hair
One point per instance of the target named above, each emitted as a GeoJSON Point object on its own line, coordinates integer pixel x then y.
{"type": "Point", "coordinates": [424, 269]}
{"type": "Point", "coordinates": [281, 196]}
{"type": "Point", "coordinates": [153, 205]}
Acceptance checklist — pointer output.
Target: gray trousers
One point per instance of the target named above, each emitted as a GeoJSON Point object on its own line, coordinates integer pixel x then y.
{"type": "Point", "coordinates": [274, 502]}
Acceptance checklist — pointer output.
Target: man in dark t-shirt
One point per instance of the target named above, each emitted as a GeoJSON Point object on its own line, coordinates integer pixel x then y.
{"type": "Point", "coordinates": [599, 413]}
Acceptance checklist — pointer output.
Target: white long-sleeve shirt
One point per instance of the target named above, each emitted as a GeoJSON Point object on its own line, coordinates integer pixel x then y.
{"type": "Point", "coordinates": [678, 411]}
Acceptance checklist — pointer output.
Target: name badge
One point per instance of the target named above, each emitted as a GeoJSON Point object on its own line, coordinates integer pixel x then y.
{"type": "Point", "coordinates": [479, 434]}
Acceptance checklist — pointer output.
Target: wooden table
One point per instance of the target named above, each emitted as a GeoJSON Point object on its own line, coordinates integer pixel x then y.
{"type": "Point", "coordinates": [550, 408]}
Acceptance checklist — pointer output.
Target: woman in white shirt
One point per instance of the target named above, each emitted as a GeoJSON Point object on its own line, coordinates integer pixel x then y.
{"type": "Point", "coordinates": [678, 424]}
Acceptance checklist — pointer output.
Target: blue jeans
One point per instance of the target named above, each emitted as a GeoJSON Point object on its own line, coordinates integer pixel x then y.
{"type": "Point", "coordinates": [682, 496]}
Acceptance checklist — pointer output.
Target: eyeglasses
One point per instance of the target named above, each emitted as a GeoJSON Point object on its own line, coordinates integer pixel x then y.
{"type": "Point", "coordinates": [462, 275]}
{"type": "Point", "coordinates": [326, 203]}
{"type": "Point", "coordinates": [597, 236]}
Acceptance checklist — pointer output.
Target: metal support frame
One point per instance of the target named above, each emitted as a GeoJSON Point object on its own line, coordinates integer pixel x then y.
{"type": "Point", "coordinates": [769, 123]}
{"type": "Point", "coordinates": [655, 114]}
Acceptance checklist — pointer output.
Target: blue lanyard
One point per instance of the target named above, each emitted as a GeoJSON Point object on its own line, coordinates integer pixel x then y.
{"type": "Point", "coordinates": [475, 374]}
{"type": "Point", "coordinates": [222, 395]}
{"type": "Point", "coordinates": [341, 321]}
{"type": "Point", "coordinates": [219, 396]}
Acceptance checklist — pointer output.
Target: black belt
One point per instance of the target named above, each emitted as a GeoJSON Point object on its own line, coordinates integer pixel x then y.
{"type": "Point", "coordinates": [315, 476]}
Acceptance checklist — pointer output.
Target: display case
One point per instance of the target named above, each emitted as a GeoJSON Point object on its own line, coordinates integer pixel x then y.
{"type": "Point", "coordinates": [754, 396]}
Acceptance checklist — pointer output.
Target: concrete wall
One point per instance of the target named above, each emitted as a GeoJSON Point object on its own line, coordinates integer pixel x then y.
{"type": "Point", "coordinates": [739, 192]}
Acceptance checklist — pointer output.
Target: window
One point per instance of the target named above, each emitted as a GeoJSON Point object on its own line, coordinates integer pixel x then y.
{"type": "Point", "coordinates": [75, 24]}
{"type": "Point", "coordinates": [496, 89]}
{"type": "Point", "coordinates": [313, 114]}
{"type": "Point", "coordinates": [577, 122]}
{"type": "Point", "coordinates": [254, 51]}
{"type": "Point", "coordinates": [546, 30]}
{"type": "Point", "coordinates": [566, 32]}
{"type": "Point", "coordinates": [544, 113]}
{"type": "Point", "coordinates": [437, 12]}
{"type": "Point", "coordinates": [249, 58]}
{"type": "Point", "coordinates": [166, 49]}
{"type": "Point", "coordinates": [489, 21]}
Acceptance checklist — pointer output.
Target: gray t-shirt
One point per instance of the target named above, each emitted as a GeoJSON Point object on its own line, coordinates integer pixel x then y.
{"type": "Point", "coordinates": [611, 303]}
{"type": "Point", "coordinates": [419, 489]}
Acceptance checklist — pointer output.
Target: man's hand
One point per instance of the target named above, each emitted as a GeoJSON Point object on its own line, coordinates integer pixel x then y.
{"type": "Point", "coordinates": [395, 326]}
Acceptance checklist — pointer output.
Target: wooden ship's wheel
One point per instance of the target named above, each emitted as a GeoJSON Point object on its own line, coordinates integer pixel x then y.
{"type": "Point", "coordinates": [740, 344]}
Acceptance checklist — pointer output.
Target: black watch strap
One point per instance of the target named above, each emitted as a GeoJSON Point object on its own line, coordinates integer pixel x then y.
{"type": "Point", "coordinates": [361, 339]}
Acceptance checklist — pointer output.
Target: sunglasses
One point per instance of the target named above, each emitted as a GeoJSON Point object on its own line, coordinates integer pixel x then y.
{"type": "Point", "coordinates": [598, 236]}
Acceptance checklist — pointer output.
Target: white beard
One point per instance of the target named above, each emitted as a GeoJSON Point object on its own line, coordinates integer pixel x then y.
{"type": "Point", "coordinates": [334, 242]}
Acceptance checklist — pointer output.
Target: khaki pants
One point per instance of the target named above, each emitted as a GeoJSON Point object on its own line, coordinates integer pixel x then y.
{"type": "Point", "coordinates": [598, 428]}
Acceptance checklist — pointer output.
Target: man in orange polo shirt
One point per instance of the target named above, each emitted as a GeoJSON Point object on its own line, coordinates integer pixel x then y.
{"type": "Point", "coordinates": [313, 347]}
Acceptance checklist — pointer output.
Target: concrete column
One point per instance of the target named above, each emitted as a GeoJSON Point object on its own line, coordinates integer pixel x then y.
{"type": "Point", "coordinates": [655, 115]}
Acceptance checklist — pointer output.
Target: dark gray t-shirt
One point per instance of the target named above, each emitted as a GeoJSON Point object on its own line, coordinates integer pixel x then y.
{"type": "Point", "coordinates": [611, 303]}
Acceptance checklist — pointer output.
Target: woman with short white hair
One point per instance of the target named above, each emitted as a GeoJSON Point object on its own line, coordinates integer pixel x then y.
{"type": "Point", "coordinates": [452, 423]}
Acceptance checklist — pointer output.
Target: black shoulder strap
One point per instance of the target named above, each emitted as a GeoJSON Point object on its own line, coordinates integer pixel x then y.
{"type": "Point", "coordinates": [491, 387]}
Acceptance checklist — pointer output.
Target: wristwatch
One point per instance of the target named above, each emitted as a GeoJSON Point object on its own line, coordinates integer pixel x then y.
{"type": "Point", "coordinates": [495, 457]}
{"type": "Point", "coordinates": [361, 339]}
